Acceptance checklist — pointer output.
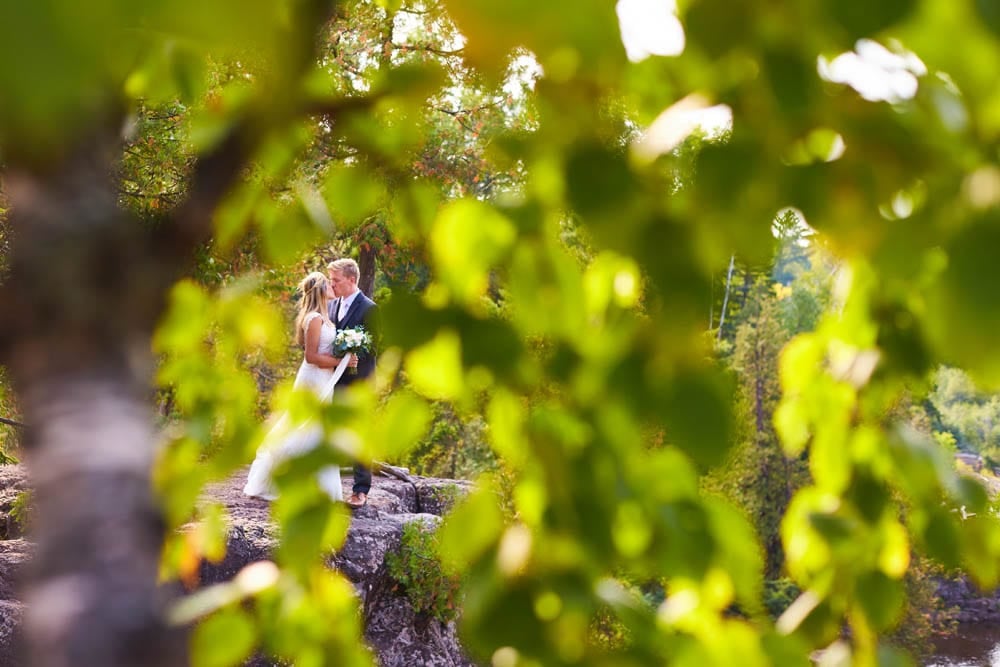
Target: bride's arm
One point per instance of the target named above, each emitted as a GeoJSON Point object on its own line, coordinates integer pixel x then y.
{"type": "Point", "coordinates": [313, 355]}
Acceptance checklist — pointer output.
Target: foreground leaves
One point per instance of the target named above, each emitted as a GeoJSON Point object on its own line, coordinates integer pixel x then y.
{"type": "Point", "coordinates": [573, 305]}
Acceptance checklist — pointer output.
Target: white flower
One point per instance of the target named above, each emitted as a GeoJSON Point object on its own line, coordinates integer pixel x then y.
{"type": "Point", "coordinates": [352, 340]}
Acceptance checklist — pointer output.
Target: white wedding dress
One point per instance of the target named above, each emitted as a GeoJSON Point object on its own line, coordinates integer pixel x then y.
{"type": "Point", "coordinates": [285, 440]}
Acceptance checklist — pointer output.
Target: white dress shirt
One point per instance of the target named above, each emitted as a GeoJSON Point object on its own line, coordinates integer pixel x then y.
{"type": "Point", "coordinates": [345, 304]}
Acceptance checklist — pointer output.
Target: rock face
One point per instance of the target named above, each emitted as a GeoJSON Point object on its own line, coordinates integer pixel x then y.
{"type": "Point", "coordinates": [396, 633]}
{"type": "Point", "coordinates": [14, 554]}
{"type": "Point", "coordinates": [971, 604]}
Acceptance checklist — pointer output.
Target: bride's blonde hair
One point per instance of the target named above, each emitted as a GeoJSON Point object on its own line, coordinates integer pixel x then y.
{"type": "Point", "coordinates": [312, 299]}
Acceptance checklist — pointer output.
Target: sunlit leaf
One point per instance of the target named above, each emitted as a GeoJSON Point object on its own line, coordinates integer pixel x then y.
{"type": "Point", "coordinates": [187, 319]}
{"type": "Point", "coordinates": [214, 530]}
{"type": "Point", "coordinates": [506, 417]}
{"type": "Point", "coordinates": [472, 527]}
{"type": "Point", "coordinates": [400, 423]}
{"type": "Point", "coordinates": [352, 193]}
{"type": "Point", "coordinates": [739, 552]}
{"type": "Point", "coordinates": [308, 530]}
{"type": "Point", "coordinates": [284, 230]}
{"type": "Point", "coordinates": [435, 368]}
{"type": "Point", "coordinates": [468, 238]}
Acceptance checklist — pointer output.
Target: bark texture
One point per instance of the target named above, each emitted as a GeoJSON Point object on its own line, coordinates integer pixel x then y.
{"type": "Point", "coordinates": [84, 292]}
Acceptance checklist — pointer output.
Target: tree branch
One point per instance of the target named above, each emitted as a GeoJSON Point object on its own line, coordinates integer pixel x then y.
{"type": "Point", "coordinates": [444, 53]}
{"type": "Point", "coordinates": [343, 106]}
{"type": "Point", "coordinates": [217, 172]}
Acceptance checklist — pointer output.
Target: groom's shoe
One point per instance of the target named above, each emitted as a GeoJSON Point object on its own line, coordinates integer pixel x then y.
{"type": "Point", "coordinates": [358, 500]}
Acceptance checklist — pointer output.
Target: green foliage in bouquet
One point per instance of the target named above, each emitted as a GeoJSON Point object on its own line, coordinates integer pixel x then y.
{"type": "Point", "coordinates": [355, 340]}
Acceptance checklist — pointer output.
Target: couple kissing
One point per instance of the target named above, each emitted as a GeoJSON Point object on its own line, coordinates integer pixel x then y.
{"type": "Point", "coordinates": [329, 305]}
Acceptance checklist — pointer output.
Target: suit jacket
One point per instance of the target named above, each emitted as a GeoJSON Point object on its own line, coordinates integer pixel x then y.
{"type": "Point", "coordinates": [361, 313]}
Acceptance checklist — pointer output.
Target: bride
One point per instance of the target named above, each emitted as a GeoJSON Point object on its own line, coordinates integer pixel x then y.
{"type": "Point", "coordinates": [318, 373]}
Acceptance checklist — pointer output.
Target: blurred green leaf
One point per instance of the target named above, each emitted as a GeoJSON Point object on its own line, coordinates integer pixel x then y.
{"type": "Point", "coordinates": [717, 25]}
{"type": "Point", "coordinates": [599, 184]}
{"type": "Point", "coordinates": [941, 538]}
{"type": "Point", "coordinates": [738, 553]}
{"type": "Point", "coordinates": [214, 529]}
{"type": "Point", "coordinates": [980, 546]}
{"type": "Point", "coordinates": [353, 193]}
{"type": "Point", "coordinates": [186, 321]}
{"type": "Point", "coordinates": [400, 423]}
{"type": "Point", "coordinates": [964, 310]}
{"type": "Point", "coordinates": [311, 527]}
{"type": "Point", "coordinates": [786, 651]}
{"type": "Point", "coordinates": [169, 70]}
{"type": "Point", "coordinates": [819, 626]}
{"type": "Point", "coordinates": [881, 599]}
{"type": "Point", "coordinates": [892, 656]}
{"type": "Point", "coordinates": [989, 12]}
{"type": "Point", "coordinates": [435, 368]}
{"type": "Point", "coordinates": [563, 39]}
{"type": "Point", "coordinates": [224, 639]}
{"type": "Point", "coordinates": [468, 237]}
{"type": "Point", "coordinates": [72, 60]}
{"type": "Point", "coordinates": [284, 230]}
{"type": "Point", "coordinates": [794, 80]}
{"type": "Point", "coordinates": [689, 541]}
{"type": "Point", "coordinates": [861, 19]}
{"type": "Point", "coordinates": [696, 410]}
{"type": "Point", "coordinates": [506, 416]}
{"type": "Point", "coordinates": [471, 528]}
{"type": "Point", "coordinates": [970, 493]}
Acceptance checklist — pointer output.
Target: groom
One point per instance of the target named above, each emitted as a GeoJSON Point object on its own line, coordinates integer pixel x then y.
{"type": "Point", "coordinates": [352, 308]}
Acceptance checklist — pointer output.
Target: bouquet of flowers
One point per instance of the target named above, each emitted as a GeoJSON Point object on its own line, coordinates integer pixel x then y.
{"type": "Point", "coordinates": [351, 341]}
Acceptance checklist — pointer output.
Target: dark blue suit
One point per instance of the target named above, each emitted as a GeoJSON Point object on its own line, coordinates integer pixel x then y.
{"type": "Point", "coordinates": [362, 312]}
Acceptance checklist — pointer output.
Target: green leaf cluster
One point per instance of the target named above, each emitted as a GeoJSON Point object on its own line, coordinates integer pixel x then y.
{"type": "Point", "coordinates": [416, 566]}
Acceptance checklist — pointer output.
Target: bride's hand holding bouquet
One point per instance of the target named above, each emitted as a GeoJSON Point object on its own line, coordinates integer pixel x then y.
{"type": "Point", "coordinates": [352, 341]}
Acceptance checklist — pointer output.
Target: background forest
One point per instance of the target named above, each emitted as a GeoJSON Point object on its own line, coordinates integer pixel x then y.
{"type": "Point", "coordinates": [710, 378]}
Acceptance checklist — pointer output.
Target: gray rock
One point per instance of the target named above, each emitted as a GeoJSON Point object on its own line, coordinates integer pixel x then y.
{"type": "Point", "coordinates": [402, 637]}
{"type": "Point", "coordinates": [398, 635]}
{"type": "Point", "coordinates": [14, 554]}
{"type": "Point", "coordinates": [969, 603]}
{"type": "Point", "coordinates": [438, 496]}
{"type": "Point", "coordinates": [13, 480]}
{"type": "Point", "coordinates": [10, 620]}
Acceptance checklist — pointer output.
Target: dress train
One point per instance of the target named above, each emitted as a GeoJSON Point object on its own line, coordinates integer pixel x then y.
{"type": "Point", "coordinates": [285, 441]}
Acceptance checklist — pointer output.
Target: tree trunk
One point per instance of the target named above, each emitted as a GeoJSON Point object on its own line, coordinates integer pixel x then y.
{"type": "Point", "coordinates": [745, 291]}
{"type": "Point", "coordinates": [725, 298]}
{"type": "Point", "coordinates": [760, 411]}
{"type": "Point", "coordinates": [711, 302]}
{"type": "Point", "coordinates": [367, 261]}
{"type": "Point", "coordinates": [86, 285]}
{"type": "Point", "coordinates": [85, 288]}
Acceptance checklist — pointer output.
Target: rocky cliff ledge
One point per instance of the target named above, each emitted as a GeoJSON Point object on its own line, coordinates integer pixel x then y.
{"type": "Point", "coordinates": [396, 633]}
